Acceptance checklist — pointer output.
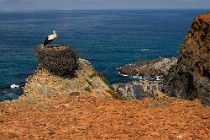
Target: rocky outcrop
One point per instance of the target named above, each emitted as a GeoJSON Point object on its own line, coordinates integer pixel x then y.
{"type": "Point", "coordinates": [190, 77]}
{"type": "Point", "coordinates": [145, 68]}
{"type": "Point", "coordinates": [86, 80]}
{"type": "Point", "coordinates": [138, 89]}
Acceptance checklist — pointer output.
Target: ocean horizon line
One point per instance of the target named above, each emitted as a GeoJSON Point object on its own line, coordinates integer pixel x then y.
{"type": "Point", "coordinates": [63, 10]}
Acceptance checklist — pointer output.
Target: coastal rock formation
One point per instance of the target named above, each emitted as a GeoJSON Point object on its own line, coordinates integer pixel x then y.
{"type": "Point", "coordinates": [86, 80]}
{"type": "Point", "coordinates": [138, 89]}
{"type": "Point", "coordinates": [153, 67]}
{"type": "Point", "coordinates": [190, 77]}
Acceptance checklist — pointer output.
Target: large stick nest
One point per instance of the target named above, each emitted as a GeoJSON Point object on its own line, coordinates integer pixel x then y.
{"type": "Point", "coordinates": [58, 60]}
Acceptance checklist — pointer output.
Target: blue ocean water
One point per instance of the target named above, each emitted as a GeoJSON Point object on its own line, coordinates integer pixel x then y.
{"type": "Point", "coordinates": [108, 39]}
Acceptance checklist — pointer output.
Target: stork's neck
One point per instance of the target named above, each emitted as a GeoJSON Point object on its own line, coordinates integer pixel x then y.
{"type": "Point", "coordinates": [55, 34]}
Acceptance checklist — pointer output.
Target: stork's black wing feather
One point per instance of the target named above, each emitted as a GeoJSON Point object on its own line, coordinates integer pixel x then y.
{"type": "Point", "coordinates": [46, 41]}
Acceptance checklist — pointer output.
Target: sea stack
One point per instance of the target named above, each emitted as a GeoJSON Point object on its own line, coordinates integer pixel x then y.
{"type": "Point", "coordinates": [61, 71]}
{"type": "Point", "coordinates": [190, 77]}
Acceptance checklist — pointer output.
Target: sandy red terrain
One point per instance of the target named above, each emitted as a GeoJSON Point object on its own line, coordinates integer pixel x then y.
{"type": "Point", "coordinates": [76, 117]}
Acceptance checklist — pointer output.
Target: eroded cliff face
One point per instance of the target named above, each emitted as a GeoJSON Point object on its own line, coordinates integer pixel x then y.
{"type": "Point", "coordinates": [137, 90]}
{"type": "Point", "coordinates": [190, 77]}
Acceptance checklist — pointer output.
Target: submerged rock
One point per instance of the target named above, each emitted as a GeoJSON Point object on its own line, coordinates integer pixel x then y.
{"type": "Point", "coordinates": [190, 77]}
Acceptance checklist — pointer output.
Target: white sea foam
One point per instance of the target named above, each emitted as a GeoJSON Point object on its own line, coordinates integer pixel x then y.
{"type": "Point", "coordinates": [159, 78]}
{"type": "Point", "coordinates": [137, 77]}
{"type": "Point", "coordinates": [145, 50]}
{"type": "Point", "coordinates": [14, 86]}
{"type": "Point", "coordinates": [148, 77]}
{"type": "Point", "coordinates": [124, 75]}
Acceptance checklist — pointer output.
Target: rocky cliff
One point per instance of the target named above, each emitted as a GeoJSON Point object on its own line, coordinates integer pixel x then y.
{"type": "Point", "coordinates": [145, 68]}
{"type": "Point", "coordinates": [138, 89]}
{"type": "Point", "coordinates": [54, 76]}
{"type": "Point", "coordinates": [190, 77]}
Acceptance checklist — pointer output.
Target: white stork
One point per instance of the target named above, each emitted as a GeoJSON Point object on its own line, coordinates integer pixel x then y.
{"type": "Point", "coordinates": [50, 38]}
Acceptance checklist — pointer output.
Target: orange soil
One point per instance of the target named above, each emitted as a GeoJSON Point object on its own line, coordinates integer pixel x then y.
{"type": "Point", "coordinates": [75, 117]}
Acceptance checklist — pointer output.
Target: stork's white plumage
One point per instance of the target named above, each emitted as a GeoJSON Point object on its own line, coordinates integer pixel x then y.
{"type": "Point", "coordinates": [50, 38]}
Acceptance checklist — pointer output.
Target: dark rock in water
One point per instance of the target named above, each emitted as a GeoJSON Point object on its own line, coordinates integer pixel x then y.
{"type": "Point", "coordinates": [59, 60]}
{"type": "Point", "coordinates": [190, 77]}
{"type": "Point", "coordinates": [138, 89]}
{"type": "Point", "coordinates": [153, 67]}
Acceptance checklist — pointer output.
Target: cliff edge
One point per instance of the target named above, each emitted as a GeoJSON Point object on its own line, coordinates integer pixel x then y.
{"type": "Point", "coordinates": [190, 77]}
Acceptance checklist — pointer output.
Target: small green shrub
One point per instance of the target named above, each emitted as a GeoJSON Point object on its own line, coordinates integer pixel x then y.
{"type": "Point", "coordinates": [88, 89]}
{"type": "Point", "coordinates": [117, 95]}
{"type": "Point", "coordinates": [105, 81]}
{"type": "Point", "coordinates": [89, 83]}
{"type": "Point", "coordinates": [93, 75]}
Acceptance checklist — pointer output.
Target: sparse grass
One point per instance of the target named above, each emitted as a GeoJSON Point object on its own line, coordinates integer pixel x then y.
{"type": "Point", "coordinates": [116, 95]}
{"type": "Point", "coordinates": [89, 83]}
{"type": "Point", "coordinates": [105, 81]}
{"type": "Point", "coordinates": [111, 87]}
{"type": "Point", "coordinates": [87, 89]}
{"type": "Point", "coordinates": [93, 75]}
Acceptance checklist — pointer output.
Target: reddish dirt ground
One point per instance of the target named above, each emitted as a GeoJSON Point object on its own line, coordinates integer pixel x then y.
{"type": "Point", "coordinates": [75, 117]}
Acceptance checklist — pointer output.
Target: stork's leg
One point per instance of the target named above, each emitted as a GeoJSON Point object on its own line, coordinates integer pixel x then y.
{"type": "Point", "coordinates": [51, 44]}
